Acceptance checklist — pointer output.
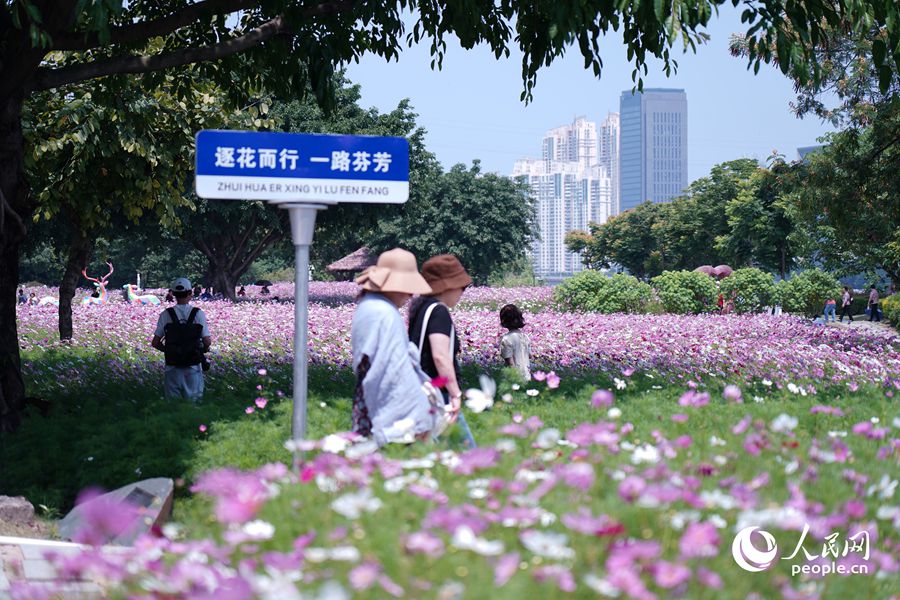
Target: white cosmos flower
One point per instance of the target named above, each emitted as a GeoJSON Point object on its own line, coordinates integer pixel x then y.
{"type": "Point", "coordinates": [352, 505]}
{"type": "Point", "coordinates": [614, 413]}
{"type": "Point", "coordinates": [767, 383]}
{"type": "Point", "coordinates": [507, 398]}
{"type": "Point", "coordinates": [547, 544]}
{"type": "Point", "coordinates": [338, 553]}
{"type": "Point", "coordinates": [601, 586]}
{"type": "Point", "coordinates": [835, 434]}
{"type": "Point", "coordinates": [792, 388]}
{"type": "Point", "coordinates": [783, 423]}
{"type": "Point", "coordinates": [547, 438]}
{"type": "Point", "coordinates": [505, 445]}
{"type": "Point", "coordinates": [532, 392]}
{"type": "Point", "coordinates": [516, 387]}
{"type": "Point", "coordinates": [645, 454]}
{"type": "Point", "coordinates": [757, 399]}
{"type": "Point", "coordinates": [465, 539]}
{"type": "Point", "coordinates": [259, 530]}
{"type": "Point", "coordinates": [620, 384]}
{"type": "Point", "coordinates": [480, 400]}
{"type": "Point", "coordinates": [334, 444]}
{"type": "Point", "coordinates": [716, 441]}
{"type": "Point", "coordinates": [884, 488]}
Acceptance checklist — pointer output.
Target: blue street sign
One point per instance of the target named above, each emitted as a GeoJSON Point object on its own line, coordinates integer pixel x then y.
{"type": "Point", "coordinates": [301, 167]}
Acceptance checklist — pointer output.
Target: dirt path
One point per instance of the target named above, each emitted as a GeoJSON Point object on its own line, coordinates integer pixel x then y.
{"type": "Point", "coordinates": [862, 322]}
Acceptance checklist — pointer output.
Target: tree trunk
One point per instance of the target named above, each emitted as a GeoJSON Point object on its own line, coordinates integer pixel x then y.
{"type": "Point", "coordinates": [15, 209]}
{"type": "Point", "coordinates": [222, 280]}
{"type": "Point", "coordinates": [80, 249]}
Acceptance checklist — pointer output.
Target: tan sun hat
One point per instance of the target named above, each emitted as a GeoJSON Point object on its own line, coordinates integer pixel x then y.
{"type": "Point", "coordinates": [395, 271]}
{"type": "Point", "coordinates": [445, 272]}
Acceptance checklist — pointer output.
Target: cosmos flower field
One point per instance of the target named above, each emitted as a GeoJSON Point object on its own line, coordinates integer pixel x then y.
{"type": "Point", "coordinates": [627, 469]}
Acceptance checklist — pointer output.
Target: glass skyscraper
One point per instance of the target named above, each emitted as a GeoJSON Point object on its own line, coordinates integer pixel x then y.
{"type": "Point", "coordinates": [652, 147]}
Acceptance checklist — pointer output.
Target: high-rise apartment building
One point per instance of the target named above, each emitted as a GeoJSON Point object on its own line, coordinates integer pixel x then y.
{"type": "Point", "coordinates": [570, 189]}
{"type": "Point", "coordinates": [653, 146]}
{"type": "Point", "coordinates": [575, 143]}
{"type": "Point", "coordinates": [609, 155]}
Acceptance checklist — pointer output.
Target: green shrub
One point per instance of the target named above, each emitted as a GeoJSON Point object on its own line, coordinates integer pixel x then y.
{"type": "Point", "coordinates": [806, 292]}
{"type": "Point", "coordinates": [750, 289]}
{"type": "Point", "coordinates": [685, 292]}
{"type": "Point", "coordinates": [594, 292]}
{"type": "Point", "coordinates": [890, 306]}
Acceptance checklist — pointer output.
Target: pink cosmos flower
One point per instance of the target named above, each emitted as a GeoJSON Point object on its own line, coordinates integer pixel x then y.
{"type": "Point", "coordinates": [364, 576]}
{"type": "Point", "coordinates": [249, 410]}
{"type": "Point", "coordinates": [631, 488]}
{"type": "Point", "coordinates": [505, 567]}
{"type": "Point", "coordinates": [239, 496]}
{"type": "Point", "coordinates": [700, 540]}
{"type": "Point", "coordinates": [695, 399]}
{"type": "Point", "coordinates": [552, 380]}
{"type": "Point", "coordinates": [539, 376]}
{"type": "Point", "coordinates": [628, 372]}
{"type": "Point", "coordinates": [709, 578]}
{"type": "Point", "coordinates": [669, 575]}
{"type": "Point", "coordinates": [103, 517]}
{"type": "Point", "coordinates": [579, 475]}
{"type": "Point", "coordinates": [680, 418]}
{"type": "Point", "coordinates": [558, 573]}
{"type": "Point", "coordinates": [733, 394]}
{"type": "Point", "coordinates": [202, 428]}
{"type": "Point", "coordinates": [261, 402]}
{"type": "Point", "coordinates": [424, 542]}
{"type": "Point", "coordinates": [477, 458]}
{"type": "Point", "coordinates": [262, 372]}
{"type": "Point", "coordinates": [602, 398]}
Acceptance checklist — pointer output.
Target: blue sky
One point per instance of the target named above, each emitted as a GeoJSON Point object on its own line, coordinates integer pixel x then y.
{"type": "Point", "coordinates": [471, 108]}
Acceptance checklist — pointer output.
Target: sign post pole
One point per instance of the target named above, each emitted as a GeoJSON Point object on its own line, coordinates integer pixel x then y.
{"type": "Point", "coordinates": [303, 224]}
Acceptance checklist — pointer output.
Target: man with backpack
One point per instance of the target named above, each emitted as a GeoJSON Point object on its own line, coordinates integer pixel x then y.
{"type": "Point", "coordinates": [183, 336]}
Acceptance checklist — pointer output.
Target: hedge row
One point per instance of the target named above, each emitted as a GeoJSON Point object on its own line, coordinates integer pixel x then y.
{"type": "Point", "coordinates": [689, 292]}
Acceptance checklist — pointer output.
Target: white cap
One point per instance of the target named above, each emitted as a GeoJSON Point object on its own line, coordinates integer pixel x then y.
{"type": "Point", "coordinates": [182, 284]}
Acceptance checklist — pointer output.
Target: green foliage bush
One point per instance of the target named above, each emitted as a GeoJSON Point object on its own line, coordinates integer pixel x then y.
{"type": "Point", "coordinates": [890, 306]}
{"type": "Point", "coordinates": [750, 289]}
{"type": "Point", "coordinates": [592, 291]}
{"type": "Point", "coordinates": [806, 292]}
{"type": "Point", "coordinates": [685, 292]}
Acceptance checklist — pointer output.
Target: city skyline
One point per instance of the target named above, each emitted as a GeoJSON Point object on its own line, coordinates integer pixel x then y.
{"type": "Point", "coordinates": [471, 108]}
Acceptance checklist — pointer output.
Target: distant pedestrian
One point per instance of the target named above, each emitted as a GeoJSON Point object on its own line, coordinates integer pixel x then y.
{"type": "Point", "coordinates": [830, 306]}
{"type": "Point", "coordinates": [873, 305]}
{"type": "Point", "coordinates": [242, 292]}
{"type": "Point", "coordinates": [265, 290]}
{"type": "Point", "coordinates": [389, 382]}
{"type": "Point", "coordinates": [197, 291]}
{"type": "Point", "coordinates": [169, 296]}
{"type": "Point", "coordinates": [846, 302]}
{"type": "Point", "coordinates": [23, 299]}
{"type": "Point", "coordinates": [515, 349]}
{"type": "Point", "coordinates": [33, 299]}
{"type": "Point", "coordinates": [183, 336]}
{"type": "Point", "coordinates": [207, 294]}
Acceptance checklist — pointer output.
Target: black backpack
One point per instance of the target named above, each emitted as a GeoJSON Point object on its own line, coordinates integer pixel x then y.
{"type": "Point", "coordinates": [183, 340]}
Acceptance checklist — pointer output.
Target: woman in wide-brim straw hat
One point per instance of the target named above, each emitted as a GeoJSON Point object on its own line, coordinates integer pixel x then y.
{"type": "Point", "coordinates": [389, 395]}
{"type": "Point", "coordinates": [431, 329]}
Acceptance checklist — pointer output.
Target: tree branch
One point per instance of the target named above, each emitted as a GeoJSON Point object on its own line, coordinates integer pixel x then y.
{"type": "Point", "coordinates": [270, 238]}
{"type": "Point", "coordinates": [46, 79]}
{"type": "Point", "coordinates": [238, 249]}
{"type": "Point", "coordinates": [142, 31]}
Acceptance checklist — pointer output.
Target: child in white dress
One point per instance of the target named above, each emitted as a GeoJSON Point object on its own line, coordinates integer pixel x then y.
{"type": "Point", "coordinates": [515, 349]}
